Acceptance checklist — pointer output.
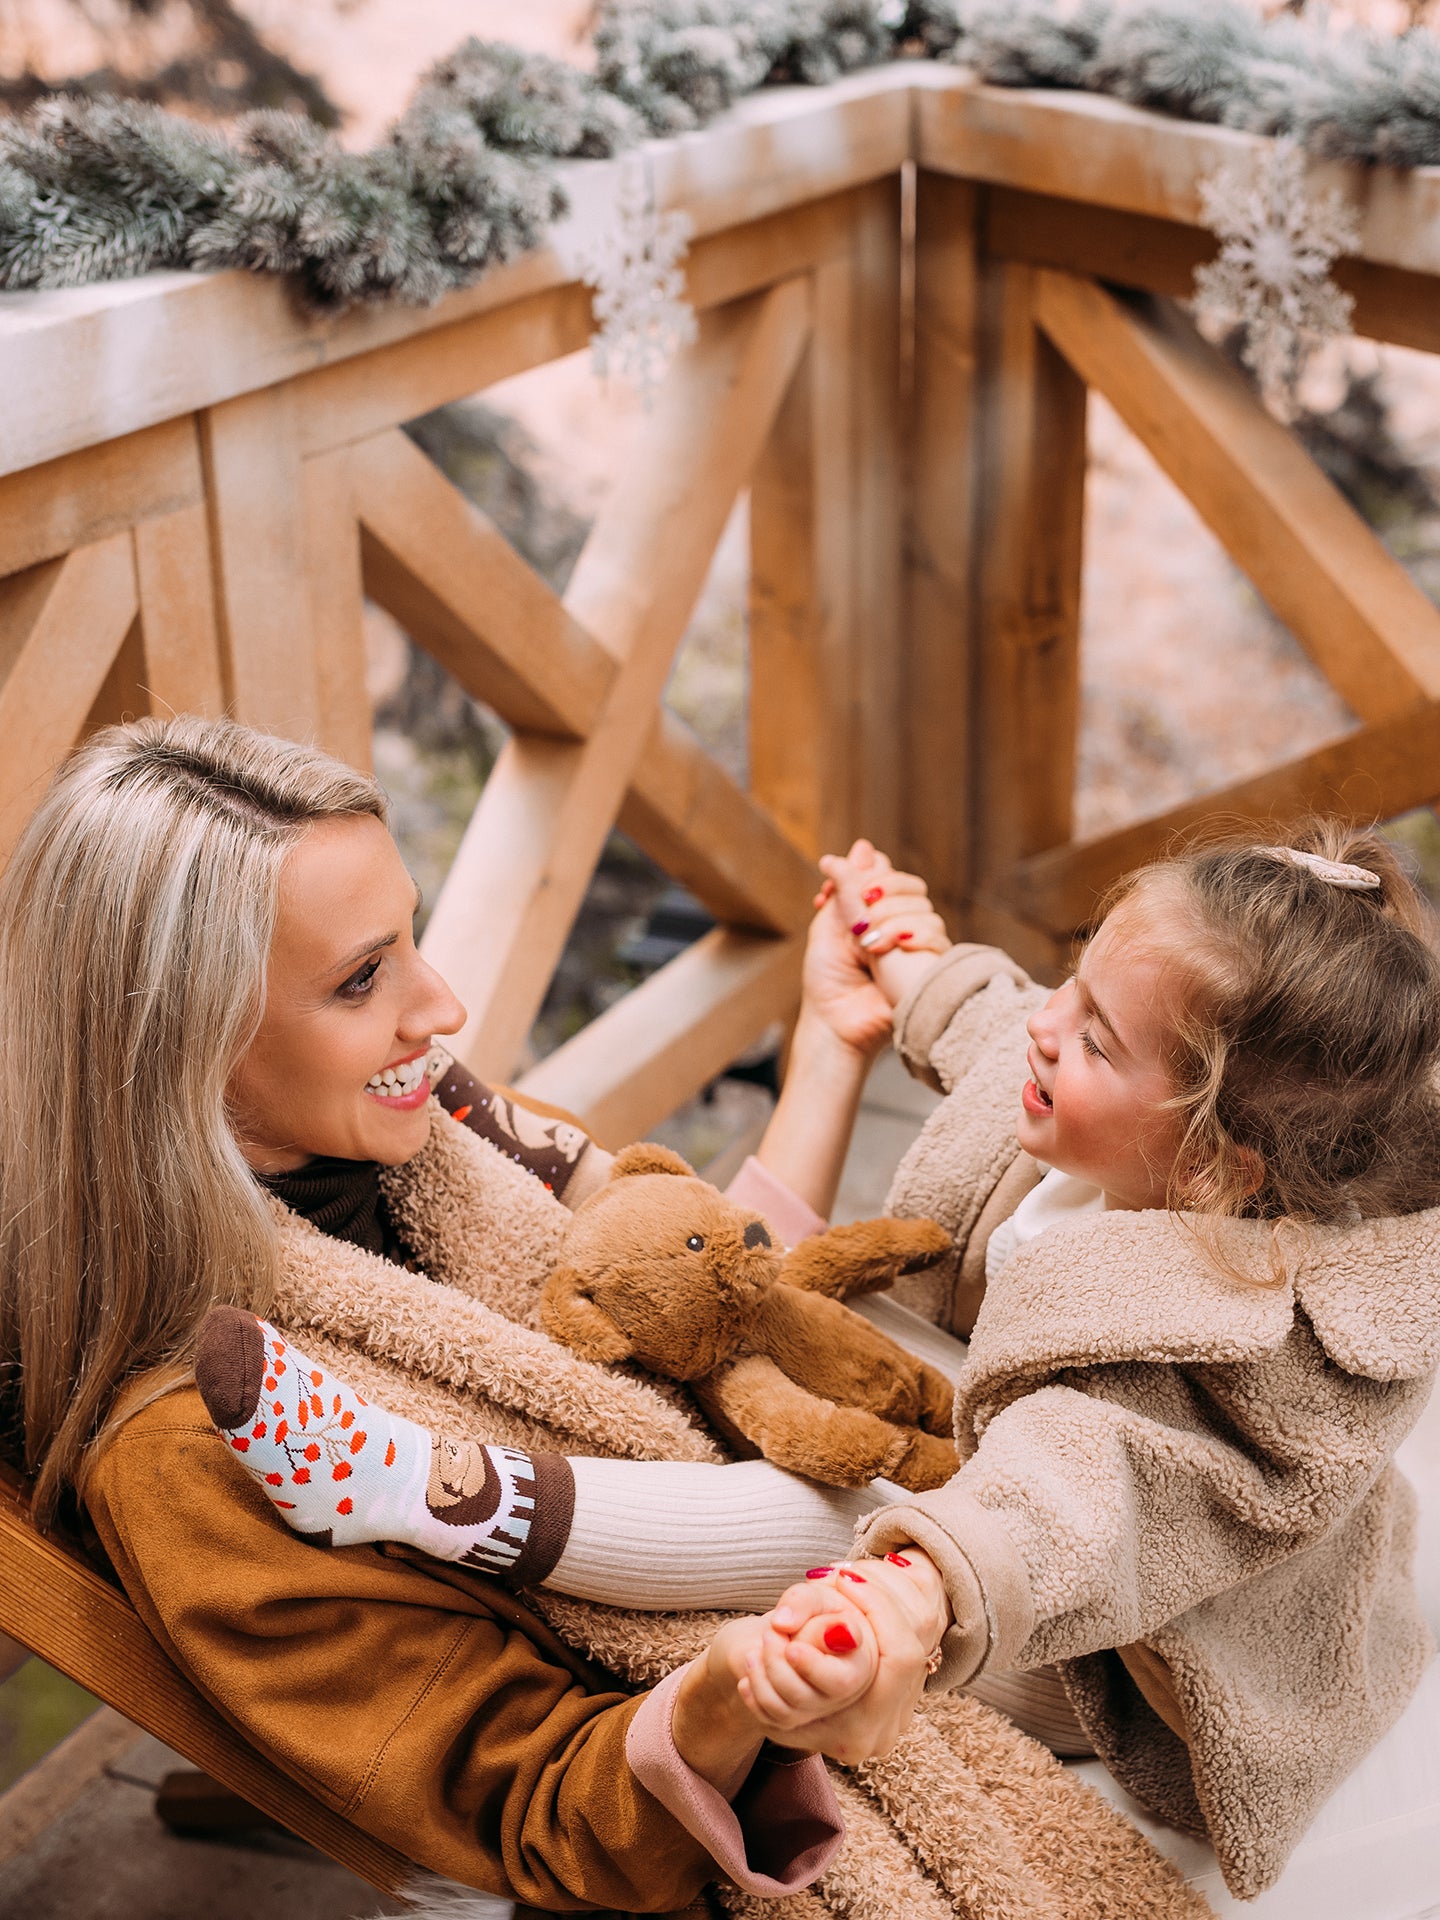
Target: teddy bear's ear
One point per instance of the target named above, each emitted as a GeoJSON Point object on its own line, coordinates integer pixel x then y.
{"type": "Point", "coordinates": [645, 1158]}
{"type": "Point", "coordinates": [569, 1314]}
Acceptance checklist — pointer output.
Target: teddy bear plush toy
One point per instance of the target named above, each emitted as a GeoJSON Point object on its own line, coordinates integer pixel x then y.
{"type": "Point", "coordinates": [659, 1268]}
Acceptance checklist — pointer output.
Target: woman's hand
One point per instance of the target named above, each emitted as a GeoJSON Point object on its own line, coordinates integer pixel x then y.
{"type": "Point", "coordinates": [868, 1727]}
{"type": "Point", "coordinates": [758, 1681]}
{"type": "Point", "coordinates": [838, 987]}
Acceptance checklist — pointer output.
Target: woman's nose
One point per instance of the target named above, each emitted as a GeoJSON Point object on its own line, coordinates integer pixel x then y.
{"type": "Point", "coordinates": [435, 1009]}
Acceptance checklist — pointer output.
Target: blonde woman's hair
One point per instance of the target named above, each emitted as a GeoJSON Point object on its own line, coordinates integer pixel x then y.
{"type": "Point", "coordinates": [1306, 1044]}
{"type": "Point", "coordinates": [135, 922]}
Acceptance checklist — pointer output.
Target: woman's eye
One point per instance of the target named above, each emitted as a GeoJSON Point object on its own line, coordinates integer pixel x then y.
{"type": "Point", "coordinates": [695, 1243]}
{"type": "Point", "coordinates": [359, 984]}
{"type": "Point", "coordinates": [1089, 1045]}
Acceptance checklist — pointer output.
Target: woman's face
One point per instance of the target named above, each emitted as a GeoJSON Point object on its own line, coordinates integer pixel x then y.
{"type": "Point", "coordinates": [347, 996]}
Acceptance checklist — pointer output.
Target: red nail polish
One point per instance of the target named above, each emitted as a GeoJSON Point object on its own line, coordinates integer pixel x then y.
{"type": "Point", "coordinates": [897, 1559]}
{"type": "Point", "coordinates": [839, 1639]}
{"type": "Point", "coordinates": [847, 1574]}
{"type": "Point", "coordinates": [872, 894]}
{"type": "Point", "coordinates": [904, 936]}
{"type": "Point", "coordinates": [818, 1573]}
{"type": "Point", "coordinates": [860, 926]}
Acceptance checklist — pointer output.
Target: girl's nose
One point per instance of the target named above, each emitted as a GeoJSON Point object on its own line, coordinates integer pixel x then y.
{"type": "Point", "coordinates": [1043, 1024]}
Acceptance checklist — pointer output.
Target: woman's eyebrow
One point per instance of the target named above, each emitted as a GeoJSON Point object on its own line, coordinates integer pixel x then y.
{"type": "Point", "coordinates": [370, 946]}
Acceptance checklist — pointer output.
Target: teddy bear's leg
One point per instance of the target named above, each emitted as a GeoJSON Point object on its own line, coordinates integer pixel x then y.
{"type": "Point", "coordinates": [936, 1413]}
{"type": "Point", "coordinates": [864, 1257]}
{"type": "Point", "coordinates": [841, 1446]}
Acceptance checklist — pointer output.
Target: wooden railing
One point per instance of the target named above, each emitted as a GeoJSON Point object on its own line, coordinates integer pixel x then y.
{"type": "Point", "coordinates": [201, 485]}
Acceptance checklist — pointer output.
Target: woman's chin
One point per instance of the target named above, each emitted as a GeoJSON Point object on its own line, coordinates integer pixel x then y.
{"type": "Point", "coordinates": [392, 1138]}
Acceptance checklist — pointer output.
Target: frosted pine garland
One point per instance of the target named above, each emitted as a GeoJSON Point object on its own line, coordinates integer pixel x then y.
{"type": "Point", "coordinates": [103, 189]}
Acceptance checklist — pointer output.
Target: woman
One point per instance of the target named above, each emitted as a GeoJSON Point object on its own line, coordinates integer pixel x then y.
{"type": "Point", "coordinates": [206, 959]}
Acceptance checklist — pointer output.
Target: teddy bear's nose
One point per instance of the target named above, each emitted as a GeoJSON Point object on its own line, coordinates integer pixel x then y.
{"type": "Point", "coordinates": [755, 1234]}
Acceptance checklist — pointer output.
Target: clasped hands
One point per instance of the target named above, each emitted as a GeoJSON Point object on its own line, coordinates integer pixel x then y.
{"type": "Point", "coordinates": [836, 1667]}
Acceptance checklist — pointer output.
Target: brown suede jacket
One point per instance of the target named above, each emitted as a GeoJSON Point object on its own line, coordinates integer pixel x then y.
{"type": "Point", "coordinates": [425, 1702]}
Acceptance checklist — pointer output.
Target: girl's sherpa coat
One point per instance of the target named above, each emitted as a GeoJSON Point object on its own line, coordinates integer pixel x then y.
{"type": "Point", "coordinates": [308, 1651]}
{"type": "Point", "coordinates": [1163, 1460]}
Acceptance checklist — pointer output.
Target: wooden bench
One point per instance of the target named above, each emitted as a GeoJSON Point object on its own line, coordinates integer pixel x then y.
{"type": "Point", "coordinates": [82, 1624]}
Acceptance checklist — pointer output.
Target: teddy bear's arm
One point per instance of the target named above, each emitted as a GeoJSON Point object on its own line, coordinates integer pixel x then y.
{"type": "Point", "coordinates": [840, 1446]}
{"type": "Point", "coordinates": [863, 1257]}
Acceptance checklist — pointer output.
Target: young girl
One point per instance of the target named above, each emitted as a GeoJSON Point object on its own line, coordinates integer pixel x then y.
{"type": "Point", "coordinates": [1195, 1195]}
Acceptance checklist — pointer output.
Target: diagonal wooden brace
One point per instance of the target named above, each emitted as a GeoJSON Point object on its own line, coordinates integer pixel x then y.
{"type": "Point", "coordinates": [502, 919]}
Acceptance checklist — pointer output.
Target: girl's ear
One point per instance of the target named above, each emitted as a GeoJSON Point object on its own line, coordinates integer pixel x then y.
{"type": "Point", "coordinates": [644, 1157]}
{"type": "Point", "coordinates": [1252, 1167]}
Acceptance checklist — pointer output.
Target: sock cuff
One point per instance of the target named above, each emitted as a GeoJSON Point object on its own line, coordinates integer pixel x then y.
{"type": "Point", "coordinates": [550, 1527]}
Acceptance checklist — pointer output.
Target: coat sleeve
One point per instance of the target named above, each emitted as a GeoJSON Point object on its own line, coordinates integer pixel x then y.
{"type": "Point", "coordinates": [1092, 1513]}
{"type": "Point", "coordinates": [430, 1721]}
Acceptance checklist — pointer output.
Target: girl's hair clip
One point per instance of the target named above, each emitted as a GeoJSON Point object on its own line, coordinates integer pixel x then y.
{"type": "Point", "coordinates": [1335, 873]}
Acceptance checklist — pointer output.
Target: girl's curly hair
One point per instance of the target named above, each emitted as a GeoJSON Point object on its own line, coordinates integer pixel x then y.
{"type": "Point", "coordinates": [1305, 1051]}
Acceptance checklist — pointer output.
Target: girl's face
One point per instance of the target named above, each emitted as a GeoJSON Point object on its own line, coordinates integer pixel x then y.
{"type": "Point", "coordinates": [347, 996]}
{"type": "Point", "coordinates": [1094, 1103]}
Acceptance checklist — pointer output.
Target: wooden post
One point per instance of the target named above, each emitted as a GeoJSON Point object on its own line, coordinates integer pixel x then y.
{"type": "Point", "coordinates": [1029, 525]}
{"type": "Point", "coordinates": [250, 451]}
{"type": "Point", "coordinates": [825, 555]}
{"type": "Point", "coordinates": [937, 652]}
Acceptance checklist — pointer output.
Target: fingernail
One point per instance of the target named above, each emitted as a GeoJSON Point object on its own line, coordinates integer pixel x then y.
{"type": "Point", "coordinates": [872, 894]}
{"type": "Point", "coordinates": [859, 927]}
{"type": "Point", "coordinates": [839, 1639]}
{"type": "Point", "coordinates": [904, 936]}
{"type": "Point", "coordinates": [897, 1559]}
{"type": "Point", "coordinates": [847, 1573]}
{"type": "Point", "coordinates": [818, 1573]}
{"type": "Point", "coordinates": [870, 939]}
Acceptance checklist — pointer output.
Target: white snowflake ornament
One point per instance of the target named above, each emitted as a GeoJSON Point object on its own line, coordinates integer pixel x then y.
{"type": "Point", "coordinates": [642, 317]}
{"type": "Point", "coordinates": [1272, 274]}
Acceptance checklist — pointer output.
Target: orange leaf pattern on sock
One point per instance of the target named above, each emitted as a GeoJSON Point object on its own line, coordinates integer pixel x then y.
{"type": "Point", "coordinates": [325, 1439]}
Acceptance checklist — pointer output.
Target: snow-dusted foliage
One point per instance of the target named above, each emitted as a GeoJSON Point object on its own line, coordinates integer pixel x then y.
{"type": "Point", "coordinates": [100, 189]}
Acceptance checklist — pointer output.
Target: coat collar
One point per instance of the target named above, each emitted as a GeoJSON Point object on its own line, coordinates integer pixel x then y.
{"type": "Point", "coordinates": [1126, 1287]}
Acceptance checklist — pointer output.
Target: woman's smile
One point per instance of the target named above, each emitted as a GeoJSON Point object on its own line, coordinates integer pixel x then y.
{"type": "Point", "coordinates": [404, 1084]}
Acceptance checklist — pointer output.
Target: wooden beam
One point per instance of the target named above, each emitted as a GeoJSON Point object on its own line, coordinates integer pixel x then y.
{"type": "Point", "coordinates": [502, 918]}
{"type": "Point", "coordinates": [671, 1036]}
{"type": "Point", "coordinates": [460, 590]}
{"type": "Point", "coordinates": [331, 547]}
{"type": "Point", "coordinates": [788, 693]}
{"type": "Point", "coordinates": [1028, 539]}
{"type": "Point", "coordinates": [262, 602]}
{"type": "Point", "coordinates": [1327, 576]}
{"type": "Point", "coordinates": [1160, 256]}
{"type": "Point", "coordinates": [1088, 148]}
{"type": "Point", "coordinates": [82, 1625]}
{"type": "Point", "coordinates": [84, 497]}
{"type": "Point", "coordinates": [182, 671]}
{"type": "Point", "coordinates": [61, 625]}
{"type": "Point", "coordinates": [938, 663]}
{"type": "Point", "coordinates": [1374, 774]}
{"type": "Point", "coordinates": [689, 816]}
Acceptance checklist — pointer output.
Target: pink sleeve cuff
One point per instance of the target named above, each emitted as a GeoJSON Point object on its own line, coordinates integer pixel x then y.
{"type": "Point", "coordinates": [780, 1832]}
{"type": "Point", "coordinates": [791, 1217]}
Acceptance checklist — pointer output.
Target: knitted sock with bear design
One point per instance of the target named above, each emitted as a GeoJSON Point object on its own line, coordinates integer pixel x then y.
{"type": "Point", "coordinates": [343, 1471]}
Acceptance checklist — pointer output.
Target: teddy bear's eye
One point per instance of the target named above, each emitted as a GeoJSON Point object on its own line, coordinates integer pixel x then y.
{"type": "Point", "coordinates": [695, 1243]}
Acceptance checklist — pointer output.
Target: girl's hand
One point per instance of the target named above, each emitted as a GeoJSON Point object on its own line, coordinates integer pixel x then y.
{"type": "Point", "coordinates": [839, 993]}
{"type": "Point", "coordinates": [883, 911]}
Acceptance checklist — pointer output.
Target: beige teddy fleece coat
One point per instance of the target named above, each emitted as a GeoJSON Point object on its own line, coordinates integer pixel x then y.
{"type": "Point", "coordinates": [1157, 1453]}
